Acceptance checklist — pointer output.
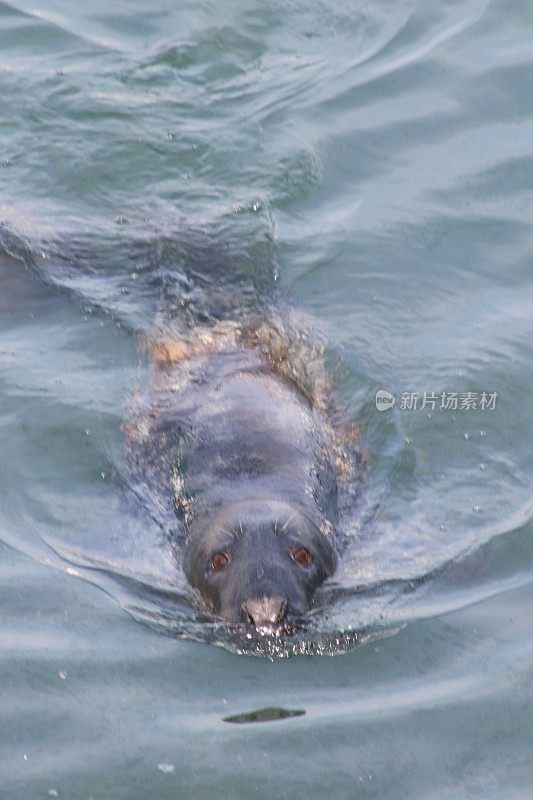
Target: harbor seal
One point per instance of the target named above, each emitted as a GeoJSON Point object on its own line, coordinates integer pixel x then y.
{"type": "Point", "coordinates": [259, 451]}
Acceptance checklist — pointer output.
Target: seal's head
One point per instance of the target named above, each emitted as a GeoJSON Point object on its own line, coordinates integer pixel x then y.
{"type": "Point", "coordinates": [259, 563]}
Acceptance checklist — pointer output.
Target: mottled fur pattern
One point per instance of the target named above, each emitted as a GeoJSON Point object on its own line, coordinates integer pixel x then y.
{"type": "Point", "coordinates": [282, 346]}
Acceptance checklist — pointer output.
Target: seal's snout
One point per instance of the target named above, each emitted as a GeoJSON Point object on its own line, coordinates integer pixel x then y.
{"type": "Point", "coordinates": [266, 614]}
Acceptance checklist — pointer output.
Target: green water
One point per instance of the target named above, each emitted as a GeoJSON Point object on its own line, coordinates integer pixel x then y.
{"type": "Point", "coordinates": [377, 160]}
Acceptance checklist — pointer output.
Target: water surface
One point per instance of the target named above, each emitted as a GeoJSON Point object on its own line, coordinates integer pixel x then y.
{"type": "Point", "coordinates": [375, 164]}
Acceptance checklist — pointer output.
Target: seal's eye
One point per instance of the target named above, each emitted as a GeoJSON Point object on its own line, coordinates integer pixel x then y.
{"type": "Point", "coordinates": [219, 561]}
{"type": "Point", "coordinates": [302, 556]}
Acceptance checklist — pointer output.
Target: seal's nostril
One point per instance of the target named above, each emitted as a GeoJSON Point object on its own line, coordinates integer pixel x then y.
{"type": "Point", "coordinates": [264, 611]}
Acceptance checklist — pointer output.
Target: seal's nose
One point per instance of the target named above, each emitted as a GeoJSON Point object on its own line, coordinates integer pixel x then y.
{"type": "Point", "coordinates": [265, 613]}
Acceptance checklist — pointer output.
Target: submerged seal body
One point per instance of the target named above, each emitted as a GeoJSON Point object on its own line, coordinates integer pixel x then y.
{"type": "Point", "coordinates": [256, 468]}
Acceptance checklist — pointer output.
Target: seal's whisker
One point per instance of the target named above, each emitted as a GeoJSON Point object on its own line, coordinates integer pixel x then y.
{"type": "Point", "coordinates": [231, 534]}
{"type": "Point", "coordinates": [315, 610]}
{"type": "Point", "coordinates": [286, 525]}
